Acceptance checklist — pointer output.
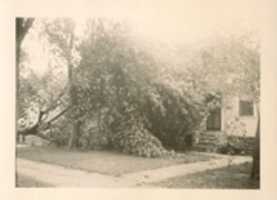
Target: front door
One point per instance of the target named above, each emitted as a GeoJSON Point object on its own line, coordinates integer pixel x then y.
{"type": "Point", "coordinates": [214, 120]}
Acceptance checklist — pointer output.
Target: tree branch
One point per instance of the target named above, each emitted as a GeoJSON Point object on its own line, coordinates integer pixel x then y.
{"type": "Point", "coordinates": [54, 104]}
{"type": "Point", "coordinates": [59, 115]}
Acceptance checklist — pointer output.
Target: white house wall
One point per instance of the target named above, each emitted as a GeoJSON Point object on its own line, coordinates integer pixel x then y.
{"type": "Point", "coordinates": [230, 112]}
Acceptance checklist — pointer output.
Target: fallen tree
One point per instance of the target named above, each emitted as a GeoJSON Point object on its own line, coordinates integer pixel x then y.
{"type": "Point", "coordinates": [35, 129]}
{"type": "Point", "coordinates": [42, 123]}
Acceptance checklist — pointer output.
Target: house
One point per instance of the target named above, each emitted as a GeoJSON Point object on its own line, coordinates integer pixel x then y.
{"type": "Point", "coordinates": [236, 118]}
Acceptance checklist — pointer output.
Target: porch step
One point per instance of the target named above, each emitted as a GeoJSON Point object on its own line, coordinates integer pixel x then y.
{"type": "Point", "coordinates": [210, 141]}
{"type": "Point", "coordinates": [206, 142]}
{"type": "Point", "coordinates": [206, 148]}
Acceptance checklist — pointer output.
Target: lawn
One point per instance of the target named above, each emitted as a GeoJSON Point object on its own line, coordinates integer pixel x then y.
{"type": "Point", "coordinates": [233, 177]}
{"type": "Point", "coordinates": [104, 162]}
{"type": "Point", "coordinates": [25, 181]}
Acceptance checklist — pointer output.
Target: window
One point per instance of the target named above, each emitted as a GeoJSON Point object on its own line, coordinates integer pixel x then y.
{"type": "Point", "coordinates": [246, 108]}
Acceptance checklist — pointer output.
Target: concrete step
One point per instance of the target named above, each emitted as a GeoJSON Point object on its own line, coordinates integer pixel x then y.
{"type": "Point", "coordinates": [208, 140]}
{"type": "Point", "coordinates": [205, 148]}
{"type": "Point", "coordinates": [209, 137]}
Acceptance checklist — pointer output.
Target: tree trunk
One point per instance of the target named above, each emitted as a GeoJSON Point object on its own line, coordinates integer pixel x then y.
{"type": "Point", "coordinates": [72, 142]}
{"type": "Point", "coordinates": [17, 85]}
{"type": "Point", "coordinates": [21, 31]}
{"type": "Point", "coordinates": [73, 138]}
{"type": "Point", "coordinates": [75, 133]}
{"type": "Point", "coordinates": [19, 38]}
{"type": "Point", "coordinates": [255, 174]}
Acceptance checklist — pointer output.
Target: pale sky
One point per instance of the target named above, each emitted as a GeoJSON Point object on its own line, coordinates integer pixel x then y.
{"type": "Point", "coordinates": [163, 19]}
{"type": "Point", "coordinates": [174, 22]}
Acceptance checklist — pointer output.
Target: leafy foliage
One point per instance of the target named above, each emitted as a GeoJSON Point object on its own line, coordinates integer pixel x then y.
{"type": "Point", "coordinates": [140, 104]}
{"type": "Point", "coordinates": [129, 135]}
{"type": "Point", "coordinates": [176, 117]}
{"type": "Point", "coordinates": [116, 77]}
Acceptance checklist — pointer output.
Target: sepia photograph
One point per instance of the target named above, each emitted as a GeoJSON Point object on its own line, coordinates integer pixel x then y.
{"type": "Point", "coordinates": [168, 98]}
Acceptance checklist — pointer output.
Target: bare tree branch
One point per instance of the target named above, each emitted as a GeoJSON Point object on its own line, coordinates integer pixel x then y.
{"type": "Point", "coordinates": [55, 102]}
{"type": "Point", "coordinates": [58, 115]}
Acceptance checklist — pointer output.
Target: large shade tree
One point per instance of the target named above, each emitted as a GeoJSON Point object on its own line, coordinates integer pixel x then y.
{"type": "Point", "coordinates": [114, 76]}
{"type": "Point", "coordinates": [123, 83]}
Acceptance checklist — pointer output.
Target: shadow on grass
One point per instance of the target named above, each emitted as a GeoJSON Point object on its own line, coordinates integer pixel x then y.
{"type": "Point", "coordinates": [232, 177]}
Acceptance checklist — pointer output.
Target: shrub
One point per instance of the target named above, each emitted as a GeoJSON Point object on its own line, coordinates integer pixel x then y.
{"type": "Point", "coordinates": [138, 142]}
{"type": "Point", "coordinates": [59, 136]}
{"type": "Point", "coordinates": [97, 140]}
{"type": "Point", "coordinates": [238, 145]}
{"type": "Point", "coordinates": [175, 117]}
{"type": "Point", "coordinates": [59, 131]}
{"type": "Point", "coordinates": [237, 142]}
{"type": "Point", "coordinates": [130, 136]}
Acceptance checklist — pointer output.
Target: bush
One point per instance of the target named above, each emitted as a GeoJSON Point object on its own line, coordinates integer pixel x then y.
{"type": "Point", "coordinates": [130, 136]}
{"type": "Point", "coordinates": [59, 131]}
{"type": "Point", "coordinates": [237, 142]}
{"type": "Point", "coordinates": [97, 140]}
{"type": "Point", "coordinates": [175, 117]}
{"type": "Point", "coordinates": [238, 145]}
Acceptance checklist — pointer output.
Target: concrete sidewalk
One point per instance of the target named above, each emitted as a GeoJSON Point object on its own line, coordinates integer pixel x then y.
{"type": "Point", "coordinates": [64, 177]}
{"type": "Point", "coordinates": [156, 175]}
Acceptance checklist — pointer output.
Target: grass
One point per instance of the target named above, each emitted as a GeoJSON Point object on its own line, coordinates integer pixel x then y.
{"type": "Point", "coordinates": [233, 177]}
{"type": "Point", "coordinates": [27, 182]}
{"type": "Point", "coordinates": [104, 162]}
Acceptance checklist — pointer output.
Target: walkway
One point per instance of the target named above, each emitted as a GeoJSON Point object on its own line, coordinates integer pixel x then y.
{"type": "Point", "coordinates": [64, 177]}
{"type": "Point", "coordinates": [160, 174]}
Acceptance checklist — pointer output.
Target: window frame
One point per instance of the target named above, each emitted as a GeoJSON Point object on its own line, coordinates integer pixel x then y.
{"type": "Point", "coordinates": [245, 112]}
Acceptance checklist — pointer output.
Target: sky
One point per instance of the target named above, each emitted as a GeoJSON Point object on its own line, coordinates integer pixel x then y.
{"type": "Point", "coordinates": [171, 22]}
{"type": "Point", "coordinates": [179, 20]}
